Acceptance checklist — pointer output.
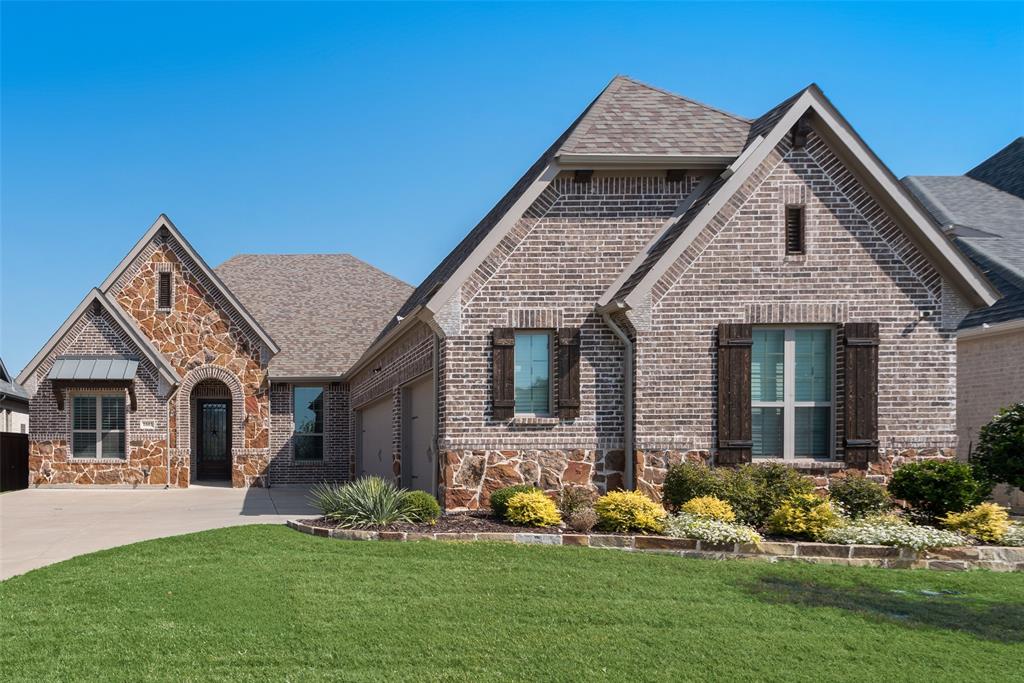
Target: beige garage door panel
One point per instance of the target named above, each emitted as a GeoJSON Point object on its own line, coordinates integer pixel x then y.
{"type": "Point", "coordinates": [418, 428]}
{"type": "Point", "coordinates": [375, 442]}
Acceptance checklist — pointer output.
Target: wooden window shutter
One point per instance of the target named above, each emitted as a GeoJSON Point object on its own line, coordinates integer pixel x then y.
{"type": "Point", "coordinates": [568, 373]}
{"type": "Point", "coordinates": [735, 440]}
{"type": "Point", "coordinates": [860, 395]}
{"type": "Point", "coordinates": [503, 387]}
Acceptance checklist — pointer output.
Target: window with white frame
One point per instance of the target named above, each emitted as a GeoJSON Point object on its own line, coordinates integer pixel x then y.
{"type": "Point", "coordinates": [533, 373]}
{"type": "Point", "coordinates": [308, 440]}
{"type": "Point", "coordinates": [791, 381]}
{"type": "Point", "coordinates": [97, 426]}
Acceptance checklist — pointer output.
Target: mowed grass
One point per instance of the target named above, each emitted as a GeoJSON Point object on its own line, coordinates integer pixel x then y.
{"type": "Point", "coordinates": [267, 603]}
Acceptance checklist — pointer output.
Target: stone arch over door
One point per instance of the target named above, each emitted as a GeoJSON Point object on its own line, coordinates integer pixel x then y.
{"type": "Point", "coordinates": [184, 412]}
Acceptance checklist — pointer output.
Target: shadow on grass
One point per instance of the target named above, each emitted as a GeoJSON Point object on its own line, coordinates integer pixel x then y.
{"type": "Point", "coordinates": [1000, 622]}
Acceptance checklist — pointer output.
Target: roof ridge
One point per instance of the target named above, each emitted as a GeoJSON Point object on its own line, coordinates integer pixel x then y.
{"type": "Point", "coordinates": [741, 119]}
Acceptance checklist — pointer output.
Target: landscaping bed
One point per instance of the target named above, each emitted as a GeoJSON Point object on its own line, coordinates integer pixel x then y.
{"type": "Point", "coordinates": [480, 528]}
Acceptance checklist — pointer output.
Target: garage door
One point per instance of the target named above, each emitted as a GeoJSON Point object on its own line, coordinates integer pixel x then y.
{"type": "Point", "coordinates": [417, 433]}
{"type": "Point", "coordinates": [375, 447]}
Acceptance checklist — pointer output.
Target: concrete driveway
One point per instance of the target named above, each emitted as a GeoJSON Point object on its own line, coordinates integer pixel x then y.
{"type": "Point", "coordinates": [42, 526]}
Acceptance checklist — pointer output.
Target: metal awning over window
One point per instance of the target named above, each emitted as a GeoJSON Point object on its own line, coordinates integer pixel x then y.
{"type": "Point", "coordinates": [93, 371]}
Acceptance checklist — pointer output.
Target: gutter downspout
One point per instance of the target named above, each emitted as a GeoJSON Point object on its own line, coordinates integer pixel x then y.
{"type": "Point", "coordinates": [627, 399]}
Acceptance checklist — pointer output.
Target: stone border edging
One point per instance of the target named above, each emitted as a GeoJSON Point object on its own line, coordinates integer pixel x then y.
{"type": "Point", "coordinates": [995, 558]}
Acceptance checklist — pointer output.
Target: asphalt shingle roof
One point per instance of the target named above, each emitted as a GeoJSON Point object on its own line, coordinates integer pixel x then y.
{"type": "Point", "coordinates": [323, 310]}
{"type": "Point", "coordinates": [9, 387]}
{"type": "Point", "coordinates": [984, 213]}
{"type": "Point", "coordinates": [634, 118]}
{"type": "Point", "coordinates": [1004, 169]}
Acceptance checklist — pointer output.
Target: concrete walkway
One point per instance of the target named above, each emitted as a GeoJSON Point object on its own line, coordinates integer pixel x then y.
{"type": "Point", "coordinates": [42, 526]}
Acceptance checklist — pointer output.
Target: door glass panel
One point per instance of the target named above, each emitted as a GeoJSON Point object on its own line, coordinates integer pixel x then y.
{"type": "Point", "coordinates": [766, 428]}
{"type": "Point", "coordinates": [215, 431]}
{"type": "Point", "coordinates": [767, 365]}
{"type": "Point", "coordinates": [811, 432]}
{"type": "Point", "coordinates": [813, 365]}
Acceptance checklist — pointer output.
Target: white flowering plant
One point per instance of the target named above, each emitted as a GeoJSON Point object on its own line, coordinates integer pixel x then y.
{"type": "Point", "coordinates": [686, 525]}
{"type": "Point", "coordinates": [1014, 535]}
{"type": "Point", "coordinates": [892, 530]}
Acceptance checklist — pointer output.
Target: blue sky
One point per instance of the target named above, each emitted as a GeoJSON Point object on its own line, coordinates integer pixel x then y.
{"type": "Point", "coordinates": [388, 130]}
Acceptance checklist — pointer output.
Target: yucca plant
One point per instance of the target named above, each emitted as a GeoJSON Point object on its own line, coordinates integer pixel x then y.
{"type": "Point", "coordinates": [367, 502]}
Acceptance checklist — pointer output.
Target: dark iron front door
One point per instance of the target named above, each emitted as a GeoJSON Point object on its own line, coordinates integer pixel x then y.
{"type": "Point", "coordinates": [213, 439]}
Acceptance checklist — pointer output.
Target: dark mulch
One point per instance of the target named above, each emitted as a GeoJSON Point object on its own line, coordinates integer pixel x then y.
{"type": "Point", "coordinates": [462, 522]}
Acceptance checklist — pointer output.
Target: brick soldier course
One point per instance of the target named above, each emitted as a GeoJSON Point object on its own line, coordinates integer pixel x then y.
{"type": "Point", "coordinates": [652, 218]}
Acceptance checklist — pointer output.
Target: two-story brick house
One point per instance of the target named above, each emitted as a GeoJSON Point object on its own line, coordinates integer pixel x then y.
{"type": "Point", "coordinates": [667, 281]}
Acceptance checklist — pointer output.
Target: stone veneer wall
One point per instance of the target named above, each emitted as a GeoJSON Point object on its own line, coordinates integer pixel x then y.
{"type": "Point", "coordinates": [50, 461]}
{"type": "Point", "coordinates": [858, 266]}
{"type": "Point", "coordinates": [203, 339]}
{"type": "Point", "coordinates": [547, 273]}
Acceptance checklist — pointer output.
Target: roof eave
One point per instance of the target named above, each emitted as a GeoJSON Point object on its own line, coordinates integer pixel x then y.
{"type": "Point", "coordinates": [627, 162]}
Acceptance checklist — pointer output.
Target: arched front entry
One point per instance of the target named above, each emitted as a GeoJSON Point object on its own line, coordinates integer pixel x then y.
{"type": "Point", "coordinates": [210, 416]}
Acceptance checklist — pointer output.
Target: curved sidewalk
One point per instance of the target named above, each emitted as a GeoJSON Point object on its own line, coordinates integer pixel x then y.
{"type": "Point", "coordinates": [42, 526]}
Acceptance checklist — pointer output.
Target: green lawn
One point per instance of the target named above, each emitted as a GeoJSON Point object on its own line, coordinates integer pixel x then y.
{"type": "Point", "coordinates": [271, 604]}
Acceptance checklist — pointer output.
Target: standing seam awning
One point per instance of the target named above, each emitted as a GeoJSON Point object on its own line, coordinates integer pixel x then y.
{"type": "Point", "coordinates": [95, 368]}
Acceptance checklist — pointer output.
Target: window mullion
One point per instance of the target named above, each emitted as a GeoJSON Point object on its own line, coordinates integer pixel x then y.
{"type": "Point", "coordinates": [789, 394]}
{"type": "Point", "coordinates": [99, 425]}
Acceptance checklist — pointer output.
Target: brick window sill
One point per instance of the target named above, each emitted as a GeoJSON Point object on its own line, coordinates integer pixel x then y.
{"type": "Point", "coordinates": [101, 461]}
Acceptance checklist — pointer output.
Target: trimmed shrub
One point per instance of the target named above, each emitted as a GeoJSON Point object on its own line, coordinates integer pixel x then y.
{"type": "Point", "coordinates": [421, 507]}
{"type": "Point", "coordinates": [688, 480]}
{"type": "Point", "coordinates": [500, 498]}
{"type": "Point", "coordinates": [987, 522]}
{"type": "Point", "coordinates": [710, 507]}
{"type": "Point", "coordinates": [582, 520]}
{"type": "Point", "coordinates": [858, 495]}
{"type": "Point", "coordinates": [999, 458]}
{"type": "Point", "coordinates": [532, 508]}
{"type": "Point", "coordinates": [804, 516]}
{"type": "Point", "coordinates": [753, 491]}
{"type": "Point", "coordinates": [629, 511]}
{"type": "Point", "coordinates": [685, 525]}
{"type": "Point", "coordinates": [367, 502]}
{"type": "Point", "coordinates": [934, 488]}
{"type": "Point", "coordinates": [891, 530]}
{"type": "Point", "coordinates": [573, 498]}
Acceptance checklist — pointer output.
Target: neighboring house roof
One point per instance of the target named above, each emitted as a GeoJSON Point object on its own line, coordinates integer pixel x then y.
{"type": "Point", "coordinates": [1004, 169]}
{"type": "Point", "coordinates": [123, 320]}
{"type": "Point", "coordinates": [765, 134]}
{"type": "Point", "coordinates": [983, 211]}
{"type": "Point", "coordinates": [9, 388]}
{"type": "Point", "coordinates": [323, 309]}
{"type": "Point", "coordinates": [164, 223]}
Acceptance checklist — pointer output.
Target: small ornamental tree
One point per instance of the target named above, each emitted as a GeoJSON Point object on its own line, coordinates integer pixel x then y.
{"type": "Point", "coordinates": [999, 457]}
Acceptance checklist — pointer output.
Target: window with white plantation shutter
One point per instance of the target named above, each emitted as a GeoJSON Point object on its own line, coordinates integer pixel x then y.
{"type": "Point", "coordinates": [98, 426]}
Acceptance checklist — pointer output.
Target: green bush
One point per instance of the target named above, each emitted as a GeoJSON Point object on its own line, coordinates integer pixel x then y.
{"type": "Point", "coordinates": [858, 495]}
{"type": "Point", "coordinates": [934, 488]}
{"type": "Point", "coordinates": [754, 491]}
{"type": "Point", "coordinates": [999, 457]}
{"type": "Point", "coordinates": [804, 516]}
{"type": "Point", "coordinates": [368, 502]}
{"type": "Point", "coordinates": [686, 481]}
{"type": "Point", "coordinates": [987, 522]}
{"type": "Point", "coordinates": [500, 498]}
{"type": "Point", "coordinates": [421, 507]}
{"type": "Point", "coordinates": [532, 508]}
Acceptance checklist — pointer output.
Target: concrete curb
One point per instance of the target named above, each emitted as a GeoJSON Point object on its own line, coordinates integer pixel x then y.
{"type": "Point", "coordinates": [995, 558]}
